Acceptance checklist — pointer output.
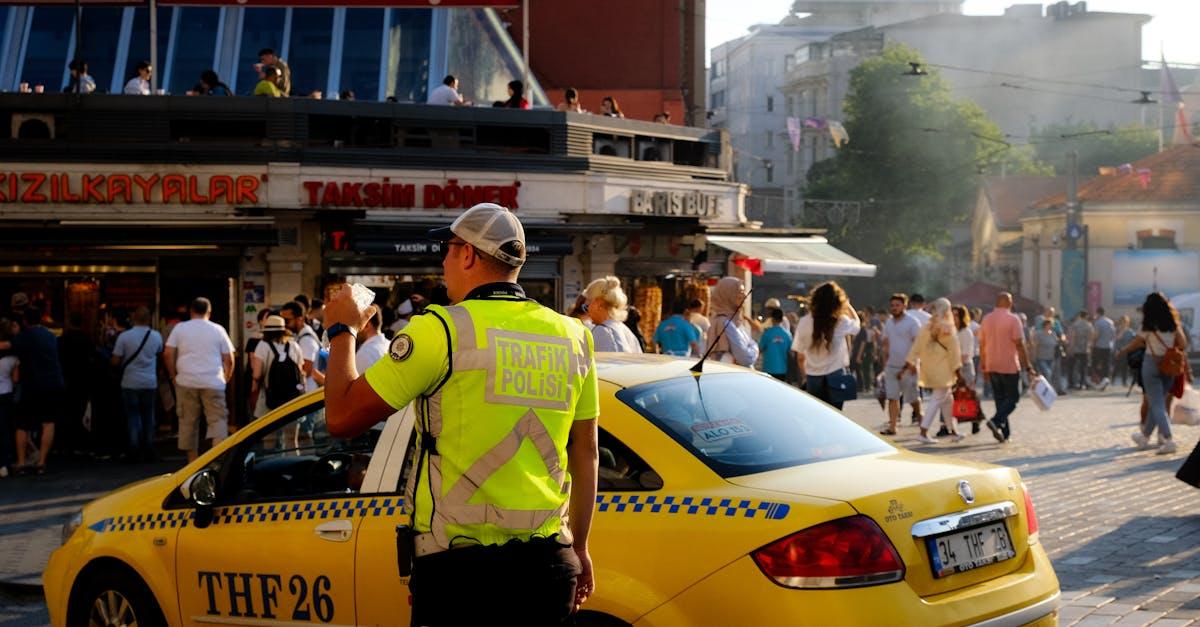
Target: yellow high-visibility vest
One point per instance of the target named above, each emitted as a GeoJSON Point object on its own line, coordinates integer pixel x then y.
{"type": "Point", "coordinates": [495, 465]}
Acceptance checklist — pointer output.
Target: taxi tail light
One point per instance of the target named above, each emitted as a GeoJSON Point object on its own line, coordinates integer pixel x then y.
{"type": "Point", "coordinates": [844, 553]}
{"type": "Point", "coordinates": [1030, 515]}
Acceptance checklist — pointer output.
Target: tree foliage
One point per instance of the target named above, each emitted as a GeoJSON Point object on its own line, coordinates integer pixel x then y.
{"type": "Point", "coordinates": [1096, 147]}
{"type": "Point", "coordinates": [915, 159]}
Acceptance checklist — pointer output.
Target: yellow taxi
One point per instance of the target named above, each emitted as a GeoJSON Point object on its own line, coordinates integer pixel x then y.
{"type": "Point", "coordinates": [726, 498]}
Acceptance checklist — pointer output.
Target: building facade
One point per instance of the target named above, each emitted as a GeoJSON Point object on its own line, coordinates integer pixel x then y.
{"type": "Point", "coordinates": [377, 53]}
{"type": "Point", "coordinates": [1007, 64]}
{"type": "Point", "coordinates": [1139, 232]}
{"type": "Point", "coordinates": [747, 95]}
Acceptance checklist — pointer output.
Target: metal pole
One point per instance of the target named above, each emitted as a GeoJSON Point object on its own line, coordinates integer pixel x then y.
{"type": "Point", "coordinates": [525, 44]}
{"type": "Point", "coordinates": [78, 46]}
{"type": "Point", "coordinates": [153, 48]}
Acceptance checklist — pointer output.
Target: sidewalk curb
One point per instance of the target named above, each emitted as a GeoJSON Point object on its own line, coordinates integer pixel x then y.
{"type": "Point", "coordinates": [22, 589]}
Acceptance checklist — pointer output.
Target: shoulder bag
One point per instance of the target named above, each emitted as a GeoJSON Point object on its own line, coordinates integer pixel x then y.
{"type": "Point", "coordinates": [1173, 362]}
{"type": "Point", "coordinates": [125, 364]}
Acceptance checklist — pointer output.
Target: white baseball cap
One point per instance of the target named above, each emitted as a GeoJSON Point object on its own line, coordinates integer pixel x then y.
{"type": "Point", "coordinates": [491, 229]}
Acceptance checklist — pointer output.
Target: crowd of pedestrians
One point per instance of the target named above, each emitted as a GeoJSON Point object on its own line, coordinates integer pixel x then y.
{"type": "Point", "coordinates": [918, 354]}
{"type": "Point", "coordinates": [104, 394]}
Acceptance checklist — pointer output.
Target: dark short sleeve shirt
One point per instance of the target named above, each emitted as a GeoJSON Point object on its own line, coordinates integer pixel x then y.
{"type": "Point", "coordinates": [37, 348]}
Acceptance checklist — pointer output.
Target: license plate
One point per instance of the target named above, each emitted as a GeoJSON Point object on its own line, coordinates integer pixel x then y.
{"type": "Point", "coordinates": [960, 551]}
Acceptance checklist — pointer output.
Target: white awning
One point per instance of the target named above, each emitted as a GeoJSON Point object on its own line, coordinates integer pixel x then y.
{"type": "Point", "coordinates": [798, 255]}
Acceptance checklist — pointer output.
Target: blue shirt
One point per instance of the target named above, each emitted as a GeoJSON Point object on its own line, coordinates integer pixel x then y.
{"type": "Point", "coordinates": [142, 372]}
{"type": "Point", "coordinates": [676, 336]}
{"type": "Point", "coordinates": [775, 342]}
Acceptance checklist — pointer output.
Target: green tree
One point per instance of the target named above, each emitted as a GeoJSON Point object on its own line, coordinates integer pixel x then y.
{"type": "Point", "coordinates": [1096, 147]}
{"type": "Point", "coordinates": [914, 160]}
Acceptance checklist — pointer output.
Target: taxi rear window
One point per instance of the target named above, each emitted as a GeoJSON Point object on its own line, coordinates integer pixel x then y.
{"type": "Point", "coordinates": [744, 423]}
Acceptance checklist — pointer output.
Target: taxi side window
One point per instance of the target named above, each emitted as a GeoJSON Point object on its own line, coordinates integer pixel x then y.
{"type": "Point", "coordinates": [621, 470]}
{"type": "Point", "coordinates": [297, 458]}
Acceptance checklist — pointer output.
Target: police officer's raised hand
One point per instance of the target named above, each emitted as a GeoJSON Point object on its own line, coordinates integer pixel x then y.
{"type": "Point", "coordinates": [585, 583]}
{"type": "Point", "coordinates": [342, 309]}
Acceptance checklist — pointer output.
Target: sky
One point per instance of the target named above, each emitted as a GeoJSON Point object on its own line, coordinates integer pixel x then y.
{"type": "Point", "coordinates": [1173, 27]}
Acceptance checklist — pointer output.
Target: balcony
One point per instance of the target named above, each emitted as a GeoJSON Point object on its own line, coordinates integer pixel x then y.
{"type": "Point", "coordinates": [96, 128]}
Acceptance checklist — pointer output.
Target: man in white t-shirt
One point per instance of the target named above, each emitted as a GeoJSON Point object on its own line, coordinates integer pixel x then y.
{"type": "Point", "coordinates": [900, 384]}
{"type": "Point", "coordinates": [916, 309]}
{"type": "Point", "coordinates": [372, 344]}
{"type": "Point", "coordinates": [199, 358]}
{"type": "Point", "coordinates": [447, 93]}
{"type": "Point", "coordinates": [310, 345]}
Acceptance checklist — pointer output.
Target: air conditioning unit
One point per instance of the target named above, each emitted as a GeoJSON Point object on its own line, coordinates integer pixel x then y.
{"type": "Point", "coordinates": [612, 145]}
{"type": "Point", "coordinates": [33, 126]}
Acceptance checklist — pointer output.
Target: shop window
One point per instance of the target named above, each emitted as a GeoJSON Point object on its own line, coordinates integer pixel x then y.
{"type": "Point", "coordinates": [261, 28]}
{"type": "Point", "coordinates": [139, 45]}
{"type": "Point", "coordinates": [1162, 239]}
{"type": "Point", "coordinates": [361, 53]}
{"type": "Point", "coordinates": [524, 140]}
{"type": "Point", "coordinates": [689, 153]}
{"type": "Point", "coordinates": [408, 54]}
{"type": "Point", "coordinates": [47, 46]}
{"type": "Point", "coordinates": [308, 50]}
{"type": "Point", "coordinates": [621, 470]}
{"type": "Point", "coordinates": [195, 42]}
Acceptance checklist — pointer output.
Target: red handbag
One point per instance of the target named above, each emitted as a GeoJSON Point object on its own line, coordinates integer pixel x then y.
{"type": "Point", "coordinates": [966, 405]}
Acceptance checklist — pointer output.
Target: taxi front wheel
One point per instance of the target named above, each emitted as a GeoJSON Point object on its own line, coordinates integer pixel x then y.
{"type": "Point", "coordinates": [114, 598]}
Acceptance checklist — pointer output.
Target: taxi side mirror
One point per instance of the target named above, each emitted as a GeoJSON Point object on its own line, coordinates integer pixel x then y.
{"type": "Point", "coordinates": [201, 491]}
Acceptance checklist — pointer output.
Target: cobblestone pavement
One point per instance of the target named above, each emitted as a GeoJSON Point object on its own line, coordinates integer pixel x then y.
{"type": "Point", "coordinates": [1122, 532]}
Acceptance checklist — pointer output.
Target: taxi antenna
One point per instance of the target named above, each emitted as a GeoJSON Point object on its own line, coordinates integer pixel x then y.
{"type": "Point", "coordinates": [699, 367]}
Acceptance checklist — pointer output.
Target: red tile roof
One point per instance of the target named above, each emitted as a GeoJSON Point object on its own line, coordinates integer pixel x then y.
{"type": "Point", "coordinates": [1174, 177]}
{"type": "Point", "coordinates": [1011, 195]}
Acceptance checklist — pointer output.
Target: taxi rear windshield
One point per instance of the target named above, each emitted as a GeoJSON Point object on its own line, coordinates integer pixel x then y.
{"type": "Point", "coordinates": [743, 423]}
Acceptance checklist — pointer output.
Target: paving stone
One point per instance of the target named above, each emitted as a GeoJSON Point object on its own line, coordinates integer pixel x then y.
{"type": "Point", "coordinates": [1139, 618]}
{"type": "Point", "coordinates": [1171, 622]}
{"type": "Point", "coordinates": [1115, 609]}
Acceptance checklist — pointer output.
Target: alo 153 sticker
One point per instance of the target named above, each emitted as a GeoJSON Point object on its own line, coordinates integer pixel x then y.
{"type": "Point", "coordinates": [718, 430]}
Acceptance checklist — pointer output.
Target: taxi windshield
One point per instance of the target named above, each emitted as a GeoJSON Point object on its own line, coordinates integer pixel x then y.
{"type": "Point", "coordinates": [742, 423]}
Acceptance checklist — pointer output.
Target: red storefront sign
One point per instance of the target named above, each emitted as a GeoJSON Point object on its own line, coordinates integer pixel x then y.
{"type": "Point", "coordinates": [385, 193]}
{"type": "Point", "coordinates": [38, 188]}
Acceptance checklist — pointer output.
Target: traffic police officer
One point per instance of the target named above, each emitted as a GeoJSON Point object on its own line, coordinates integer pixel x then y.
{"type": "Point", "coordinates": [507, 401]}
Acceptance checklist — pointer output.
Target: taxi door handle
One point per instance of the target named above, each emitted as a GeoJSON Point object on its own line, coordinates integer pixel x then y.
{"type": "Point", "coordinates": [335, 530]}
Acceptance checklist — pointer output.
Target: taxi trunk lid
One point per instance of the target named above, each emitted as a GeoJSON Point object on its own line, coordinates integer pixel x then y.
{"type": "Point", "coordinates": [900, 489]}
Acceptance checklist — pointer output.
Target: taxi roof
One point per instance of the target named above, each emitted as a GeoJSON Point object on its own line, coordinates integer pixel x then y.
{"type": "Point", "coordinates": [628, 369]}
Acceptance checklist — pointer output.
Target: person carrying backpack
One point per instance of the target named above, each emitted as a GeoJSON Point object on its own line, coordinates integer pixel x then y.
{"type": "Point", "coordinates": [275, 366]}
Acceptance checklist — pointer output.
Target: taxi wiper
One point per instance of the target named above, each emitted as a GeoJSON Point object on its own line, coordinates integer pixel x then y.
{"type": "Point", "coordinates": [699, 367]}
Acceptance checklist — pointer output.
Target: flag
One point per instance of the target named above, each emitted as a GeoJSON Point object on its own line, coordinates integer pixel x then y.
{"type": "Point", "coordinates": [838, 133]}
{"type": "Point", "coordinates": [793, 128]}
{"type": "Point", "coordinates": [755, 266]}
{"type": "Point", "coordinates": [1172, 97]}
{"type": "Point", "coordinates": [817, 123]}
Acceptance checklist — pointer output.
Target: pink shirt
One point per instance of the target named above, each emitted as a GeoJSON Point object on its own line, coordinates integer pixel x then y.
{"type": "Point", "coordinates": [998, 338]}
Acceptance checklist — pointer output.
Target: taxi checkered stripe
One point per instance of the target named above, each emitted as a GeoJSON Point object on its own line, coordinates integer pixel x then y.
{"type": "Point", "coordinates": [702, 506]}
{"type": "Point", "coordinates": [308, 510]}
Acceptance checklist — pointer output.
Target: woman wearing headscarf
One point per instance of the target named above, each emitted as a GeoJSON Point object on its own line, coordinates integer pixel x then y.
{"type": "Point", "coordinates": [821, 343]}
{"type": "Point", "coordinates": [937, 350]}
{"type": "Point", "coordinates": [735, 344]}
{"type": "Point", "coordinates": [607, 307]}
